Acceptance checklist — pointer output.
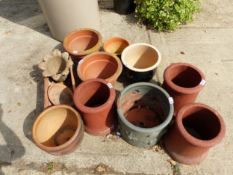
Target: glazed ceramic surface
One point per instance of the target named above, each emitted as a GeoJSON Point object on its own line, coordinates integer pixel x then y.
{"type": "Point", "coordinates": [100, 65]}
{"type": "Point", "coordinates": [144, 112]}
{"type": "Point", "coordinates": [140, 61]}
{"type": "Point", "coordinates": [82, 42]}
{"type": "Point", "coordinates": [124, 6]}
{"type": "Point", "coordinates": [183, 82]}
{"type": "Point", "coordinates": [197, 128]}
{"type": "Point", "coordinates": [58, 130]}
{"type": "Point", "coordinates": [95, 99]}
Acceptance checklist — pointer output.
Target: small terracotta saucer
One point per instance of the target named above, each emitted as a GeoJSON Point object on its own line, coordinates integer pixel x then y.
{"type": "Point", "coordinates": [58, 93]}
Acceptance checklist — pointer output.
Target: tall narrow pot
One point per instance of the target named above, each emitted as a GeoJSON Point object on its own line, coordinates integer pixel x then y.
{"type": "Point", "coordinates": [197, 129]}
{"type": "Point", "coordinates": [140, 61]}
{"type": "Point", "coordinates": [144, 112]}
{"type": "Point", "coordinates": [95, 100]}
{"type": "Point", "coordinates": [100, 65]}
{"type": "Point", "coordinates": [63, 17]}
{"type": "Point", "coordinates": [58, 130]}
{"type": "Point", "coordinates": [183, 82]}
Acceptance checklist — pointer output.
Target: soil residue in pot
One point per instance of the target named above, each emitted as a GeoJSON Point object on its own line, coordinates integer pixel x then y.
{"type": "Point", "coordinates": [143, 111]}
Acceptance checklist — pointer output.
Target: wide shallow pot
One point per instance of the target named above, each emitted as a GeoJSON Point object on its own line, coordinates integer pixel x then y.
{"type": "Point", "coordinates": [58, 130]}
{"type": "Point", "coordinates": [95, 100]}
{"type": "Point", "coordinates": [183, 82]}
{"type": "Point", "coordinates": [115, 45]}
{"type": "Point", "coordinates": [124, 6]}
{"type": "Point", "coordinates": [140, 61]}
{"type": "Point", "coordinates": [65, 16]}
{"type": "Point", "coordinates": [144, 112]}
{"type": "Point", "coordinates": [82, 42]}
{"type": "Point", "coordinates": [100, 65]}
{"type": "Point", "coordinates": [197, 128]}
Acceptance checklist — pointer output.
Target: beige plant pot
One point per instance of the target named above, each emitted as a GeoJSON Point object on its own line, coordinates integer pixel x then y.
{"type": "Point", "coordinates": [65, 16]}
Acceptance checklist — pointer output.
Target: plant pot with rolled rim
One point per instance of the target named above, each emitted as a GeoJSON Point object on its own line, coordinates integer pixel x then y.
{"type": "Point", "coordinates": [197, 128]}
{"type": "Point", "coordinates": [58, 130]}
{"type": "Point", "coordinates": [183, 82]}
{"type": "Point", "coordinates": [140, 61]}
{"type": "Point", "coordinates": [144, 112]}
{"type": "Point", "coordinates": [63, 17]}
{"type": "Point", "coordinates": [100, 65]}
{"type": "Point", "coordinates": [95, 100]}
{"type": "Point", "coordinates": [115, 45]}
{"type": "Point", "coordinates": [124, 6]}
{"type": "Point", "coordinates": [82, 42]}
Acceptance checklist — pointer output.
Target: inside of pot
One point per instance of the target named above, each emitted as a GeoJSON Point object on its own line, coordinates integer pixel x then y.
{"type": "Point", "coordinates": [82, 40]}
{"type": "Point", "coordinates": [145, 107]}
{"type": "Point", "coordinates": [94, 94]}
{"type": "Point", "coordinates": [56, 127]}
{"type": "Point", "coordinates": [140, 57]}
{"type": "Point", "coordinates": [56, 65]}
{"type": "Point", "coordinates": [116, 46]}
{"type": "Point", "coordinates": [98, 66]}
{"type": "Point", "coordinates": [185, 76]}
{"type": "Point", "coordinates": [201, 123]}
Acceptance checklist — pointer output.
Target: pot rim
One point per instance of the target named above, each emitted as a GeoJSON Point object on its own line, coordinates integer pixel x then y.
{"type": "Point", "coordinates": [121, 39]}
{"type": "Point", "coordinates": [85, 52]}
{"type": "Point", "coordinates": [89, 57]}
{"type": "Point", "coordinates": [64, 145]}
{"type": "Point", "coordinates": [180, 89]}
{"type": "Point", "coordinates": [145, 69]}
{"type": "Point", "coordinates": [193, 140]}
{"type": "Point", "coordinates": [85, 109]}
{"type": "Point", "coordinates": [139, 129]}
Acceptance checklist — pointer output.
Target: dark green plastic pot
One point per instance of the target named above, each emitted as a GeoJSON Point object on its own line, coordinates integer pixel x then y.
{"type": "Point", "coordinates": [144, 112]}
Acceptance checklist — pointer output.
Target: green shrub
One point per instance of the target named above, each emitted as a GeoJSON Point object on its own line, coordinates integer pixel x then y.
{"type": "Point", "coordinates": [166, 15]}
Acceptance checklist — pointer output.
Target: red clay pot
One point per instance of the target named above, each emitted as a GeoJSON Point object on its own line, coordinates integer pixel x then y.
{"type": "Point", "coordinates": [115, 45]}
{"type": "Point", "coordinates": [100, 65]}
{"type": "Point", "coordinates": [197, 129]}
{"type": "Point", "coordinates": [82, 42]}
{"type": "Point", "coordinates": [95, 98]}
{"type": "Point", "coordinates": [183, 82]}
{"type": "Point", "coordinates": [58, 130]}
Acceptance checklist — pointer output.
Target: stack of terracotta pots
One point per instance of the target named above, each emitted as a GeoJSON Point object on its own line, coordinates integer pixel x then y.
{"type": "Point", "coordinates": [84, 76]}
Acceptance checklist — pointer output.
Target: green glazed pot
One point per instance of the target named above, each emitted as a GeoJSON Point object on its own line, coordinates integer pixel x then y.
{"type": "Point", "coordinates": [144, 112]}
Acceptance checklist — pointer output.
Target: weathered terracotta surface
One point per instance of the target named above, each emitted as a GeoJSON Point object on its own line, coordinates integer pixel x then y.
{"type": "Point", "coordinates": [183, 82]}
{"type": "Point", "coordinates": [82, 42]}
{"type": "Point", "coordinates": [144, 112]}
{"type": "Point", "coordinates": [100, 65]}
{"type": "Point", "coordinates": [58, 93]}
{"type": "Point", "coordinates": [140, 61]}
{"type": "Point", "coordinates": [95, 100]}
{"type": "Point", "coordinates": [56, 65]}
{"type": "Point", "coordinates": [115, 45]}
{"type": "Point", "coordinates": [197, 128]}
{"type": "Point", "coordinates": [58, 130]}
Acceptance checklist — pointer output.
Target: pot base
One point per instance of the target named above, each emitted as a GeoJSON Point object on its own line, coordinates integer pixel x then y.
{"type": "Point", "coordinates": [104, 132]}
{"type": "Point", "coordinates": [184, 159]}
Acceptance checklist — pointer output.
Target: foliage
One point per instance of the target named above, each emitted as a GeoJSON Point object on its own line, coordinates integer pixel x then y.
{"type": "Point", "coordinates": [166, 15]}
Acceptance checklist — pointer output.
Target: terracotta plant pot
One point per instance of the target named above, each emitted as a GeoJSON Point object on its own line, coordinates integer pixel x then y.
{"type": "Point", "coordinates": [95, 99]}
{"type": "Point", "coordinates": [58, 130]}
{"type": "Point", "coordinates": [65, 16]}
{"type": "Point", "coordinates": [144, 112]}
{"type": "Point", "coordinates": [124, 6]}
{"type": "Point", "coordinates": [197, 129]}
{"type": "Point", "coordinates": [58, 94]}
{"type": "Point", "coordinates": [140, 60]}
{"type": "Point", "coordinates": [115, 45]}
{"type": "Point", "coordinates": [100, 65]}
{"type": "Point", "coordinates": [183, 82]}
{"type": "Point", "coordinates": [82, 42]}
